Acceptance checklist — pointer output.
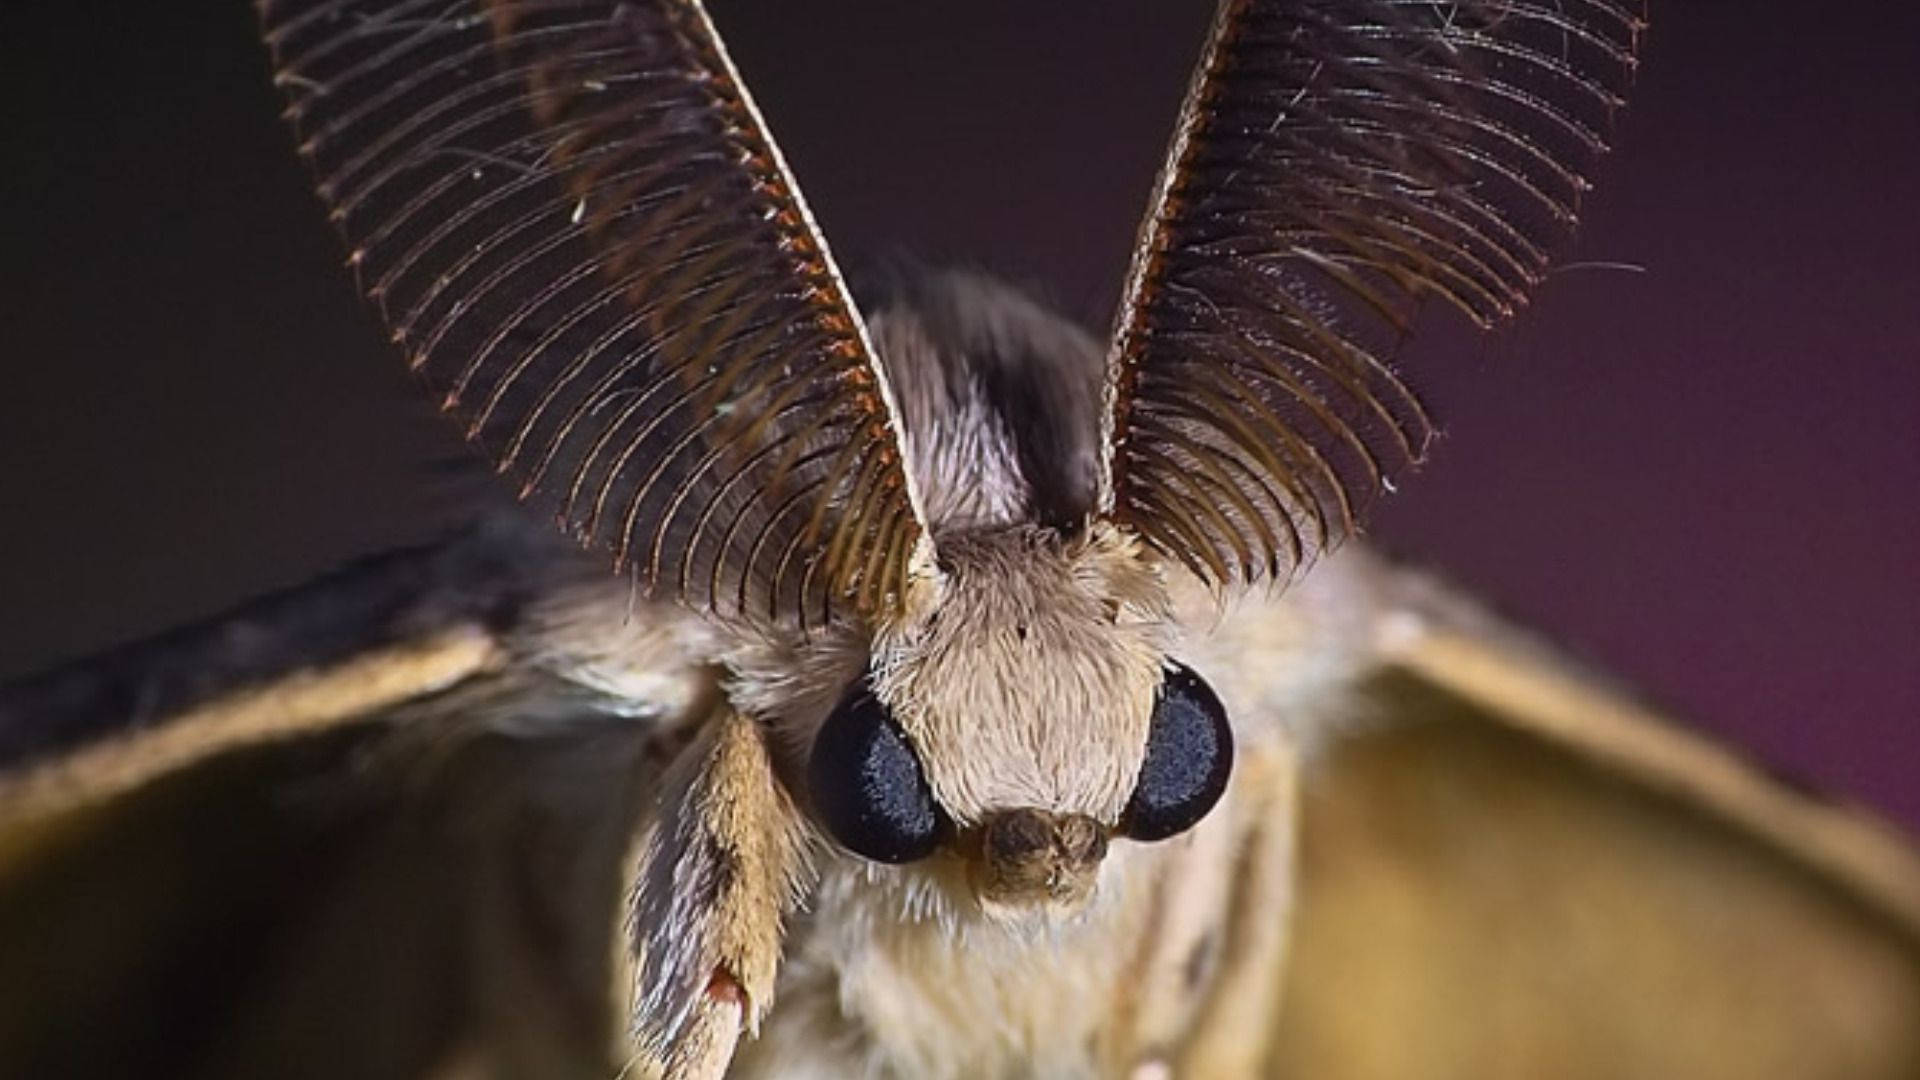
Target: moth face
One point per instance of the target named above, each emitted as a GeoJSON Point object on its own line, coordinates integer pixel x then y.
{"type": "Point", "coordinates": [1021, 713]}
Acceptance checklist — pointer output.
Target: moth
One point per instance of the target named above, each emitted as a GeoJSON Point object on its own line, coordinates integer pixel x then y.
{"type": "Point", "coordinates": [970, 696]}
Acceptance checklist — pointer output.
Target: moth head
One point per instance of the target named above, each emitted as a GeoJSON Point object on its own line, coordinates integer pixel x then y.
{"type": "Point", "coordinates": [1020, 713]}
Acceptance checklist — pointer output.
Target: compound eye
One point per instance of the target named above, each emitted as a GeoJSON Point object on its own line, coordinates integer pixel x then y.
{"type": "Point", "coordinates": [867, 786]}
{"type": "Point", "coordinates": [1189, 757]}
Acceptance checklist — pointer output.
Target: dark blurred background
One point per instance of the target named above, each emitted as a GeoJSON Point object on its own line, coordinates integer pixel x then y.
{"type": "Point", "coordinates": [1703, 474]}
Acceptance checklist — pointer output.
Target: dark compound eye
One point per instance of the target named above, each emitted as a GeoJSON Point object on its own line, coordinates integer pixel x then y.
{"type": "Point", "coordinates": [1189, 756]}
{"type": "Point", "coordinates": [867, 786]}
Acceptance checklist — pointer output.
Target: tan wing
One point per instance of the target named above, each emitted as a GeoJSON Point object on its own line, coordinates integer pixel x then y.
{"type": "Point", "coordinates": [1336, 163]}
{"type": "Point", "coordinates": [353, 830]}
{"type": "Point", "coordinates": [1521, 874]}
{"type": "Point", "coordinates": [575, 224]}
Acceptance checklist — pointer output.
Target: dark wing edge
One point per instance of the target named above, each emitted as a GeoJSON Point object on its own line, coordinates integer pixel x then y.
{"type": "Point", "coordinates": [378, 632]}
{"type": "Point", "coordinates": [571, 217]}
{"type": "Point", "coordinates": [300, 705]}
{"type": "Point", "coordinates": [1335, 164]}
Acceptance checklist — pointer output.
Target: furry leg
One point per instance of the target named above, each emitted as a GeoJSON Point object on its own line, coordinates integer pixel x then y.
{"type": "Point", "coordinates": [718, 873]}
{"type": "Point", "coordinates": [1229, 1037]}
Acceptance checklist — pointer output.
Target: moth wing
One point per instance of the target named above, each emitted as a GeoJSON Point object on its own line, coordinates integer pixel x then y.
{"type": "Point", "coordinates": [1521, 873]}
{"type": "Point", "coordinates": [388, 889]}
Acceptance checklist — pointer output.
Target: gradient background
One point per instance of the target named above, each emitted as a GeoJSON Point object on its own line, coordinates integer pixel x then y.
{"type": "Point", "coordinates": [1704, 476]}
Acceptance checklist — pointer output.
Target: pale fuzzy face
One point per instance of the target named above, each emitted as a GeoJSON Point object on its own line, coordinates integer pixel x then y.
{"type": "Point", "coordinates": [1023, 672]}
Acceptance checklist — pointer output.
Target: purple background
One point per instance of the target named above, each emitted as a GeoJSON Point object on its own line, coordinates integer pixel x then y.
{"type": "Point", "coordinates": [1701, 475]}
